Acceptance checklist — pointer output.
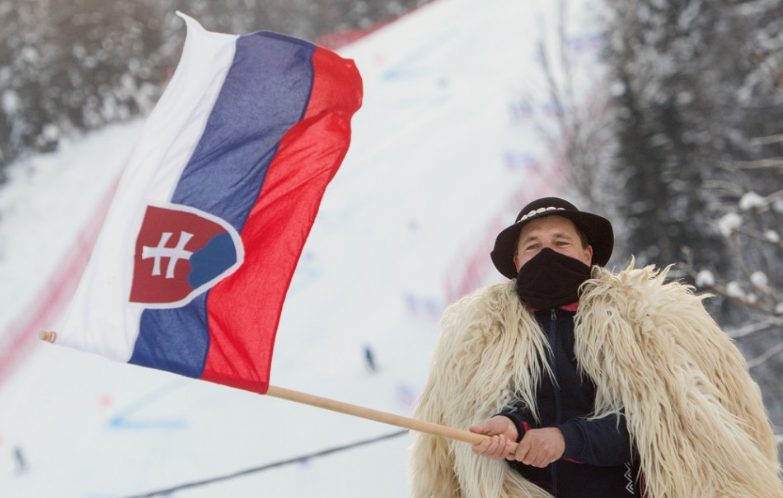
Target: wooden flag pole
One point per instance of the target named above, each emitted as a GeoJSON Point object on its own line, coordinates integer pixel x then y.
{"type": "Point", "coordinates": [357, 411]}
{"type": "Point", "coordinates": [378, 416]}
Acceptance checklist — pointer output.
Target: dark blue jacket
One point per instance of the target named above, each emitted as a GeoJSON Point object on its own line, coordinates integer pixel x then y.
{"type": "Point", "coordinates": [597, 462]}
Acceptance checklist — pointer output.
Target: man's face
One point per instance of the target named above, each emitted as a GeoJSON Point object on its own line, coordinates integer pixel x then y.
{"type": "Point", "coordinates": [554, 232]}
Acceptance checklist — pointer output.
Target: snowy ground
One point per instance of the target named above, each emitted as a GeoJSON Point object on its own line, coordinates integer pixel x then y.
{"type": "Point", "coordinates": [447, 148]}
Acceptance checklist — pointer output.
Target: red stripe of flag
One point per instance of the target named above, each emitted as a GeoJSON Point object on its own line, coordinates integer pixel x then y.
{"type": "Point", "coordinates": [242, 334]}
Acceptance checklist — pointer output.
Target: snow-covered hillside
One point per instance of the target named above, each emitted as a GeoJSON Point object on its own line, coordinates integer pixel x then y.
{"type": "Point", "coordinates": [447, 147]}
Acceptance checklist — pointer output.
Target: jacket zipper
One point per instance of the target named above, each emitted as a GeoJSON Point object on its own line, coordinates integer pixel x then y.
{"type": "Point", "coordinates": [555, 346]}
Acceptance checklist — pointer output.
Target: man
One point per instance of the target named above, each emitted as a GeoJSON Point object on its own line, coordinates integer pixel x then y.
{"type": "Point", "coordinates": [613, 385]}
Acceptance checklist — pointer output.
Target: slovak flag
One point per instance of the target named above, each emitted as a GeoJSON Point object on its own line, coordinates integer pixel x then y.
{"type": "Point", "coordinates": [201, 241]}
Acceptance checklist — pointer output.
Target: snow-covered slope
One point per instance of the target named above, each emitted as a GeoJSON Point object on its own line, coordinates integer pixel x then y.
{"type": "Point", "coordinates": [446, 149]}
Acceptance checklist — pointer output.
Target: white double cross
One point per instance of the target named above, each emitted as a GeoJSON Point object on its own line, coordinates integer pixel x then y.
{"type": "Point", "coordinates": [173, 253]}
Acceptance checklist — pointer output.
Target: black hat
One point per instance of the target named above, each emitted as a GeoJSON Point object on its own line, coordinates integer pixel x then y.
{"type": "Point", "coordinates": [598, 231]}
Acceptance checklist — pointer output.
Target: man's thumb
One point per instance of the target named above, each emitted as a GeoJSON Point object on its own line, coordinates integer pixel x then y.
{"type": "Point", "coordinates": [479, 429]}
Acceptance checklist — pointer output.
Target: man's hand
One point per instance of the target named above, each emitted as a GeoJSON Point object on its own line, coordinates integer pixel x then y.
{"type": "Point", "coordinates": [540, 447]}
{"type": "Point", "coordinates": [502, 433]}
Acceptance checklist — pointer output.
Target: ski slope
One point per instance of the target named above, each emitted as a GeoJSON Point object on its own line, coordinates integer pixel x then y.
{"type": "Point", "coordinates": [450, 142]}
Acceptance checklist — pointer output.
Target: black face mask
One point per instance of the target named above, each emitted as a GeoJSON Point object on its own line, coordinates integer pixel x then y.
{"type": "Point", "coordinates": [551, 280]}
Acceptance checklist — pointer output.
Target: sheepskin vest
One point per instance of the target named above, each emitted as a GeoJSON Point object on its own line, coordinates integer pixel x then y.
{"type": "Point", "coordinates": [694, 414]}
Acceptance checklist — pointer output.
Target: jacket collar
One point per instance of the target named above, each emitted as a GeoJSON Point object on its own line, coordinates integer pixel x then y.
{"type": "Point", "coordinates": [568, 307]}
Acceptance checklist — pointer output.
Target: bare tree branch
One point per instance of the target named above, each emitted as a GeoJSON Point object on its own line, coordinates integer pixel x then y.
{"type": "Point", "coordinates": [773, 162]}
{"type": "Point", "coordinates": [766, 356]}
{"type": "Point", "coordinates": [771, 139]}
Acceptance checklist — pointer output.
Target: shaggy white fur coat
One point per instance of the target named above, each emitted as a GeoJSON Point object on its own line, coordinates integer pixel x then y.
{"type": "Point", "coordinates": [694, 414]}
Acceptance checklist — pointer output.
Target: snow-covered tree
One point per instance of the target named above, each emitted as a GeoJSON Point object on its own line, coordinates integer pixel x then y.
{"type": "Point", "coordinates": [748, 212]}
{"type": "Point", "coordinates": [698, 123]}
{"type": "Point", "coordinates": [69, 66]}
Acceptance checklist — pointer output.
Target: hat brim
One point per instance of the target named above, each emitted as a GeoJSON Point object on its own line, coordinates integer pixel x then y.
{"type": "Point", "coordinates": [597, 229]}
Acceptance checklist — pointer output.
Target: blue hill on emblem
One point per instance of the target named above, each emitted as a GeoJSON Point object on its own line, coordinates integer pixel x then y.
{"type": "Point", "coordinates": [211, 260]}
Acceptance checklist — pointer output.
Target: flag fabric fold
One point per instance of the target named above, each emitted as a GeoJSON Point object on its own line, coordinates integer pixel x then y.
{"type": "Point", "coordinates": [191, 268]}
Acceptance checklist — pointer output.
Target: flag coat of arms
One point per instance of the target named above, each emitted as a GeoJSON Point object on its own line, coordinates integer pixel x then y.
{"type": "Point", "coordinates": [198, 249]}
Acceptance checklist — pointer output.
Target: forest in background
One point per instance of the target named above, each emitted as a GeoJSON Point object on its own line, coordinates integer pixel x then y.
{"type": "Point", "coordinates": [684, 150]}
{"type": "Point", "coordinates": [70, 66]}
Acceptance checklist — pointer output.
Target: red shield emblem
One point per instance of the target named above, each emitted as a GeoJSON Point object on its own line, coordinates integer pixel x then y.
{"type": "Point", "coordinates": [181, 252]}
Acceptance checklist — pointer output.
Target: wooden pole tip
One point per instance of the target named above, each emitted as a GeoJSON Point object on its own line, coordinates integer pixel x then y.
{"type": "Point", "coordinates": [47, 335]}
